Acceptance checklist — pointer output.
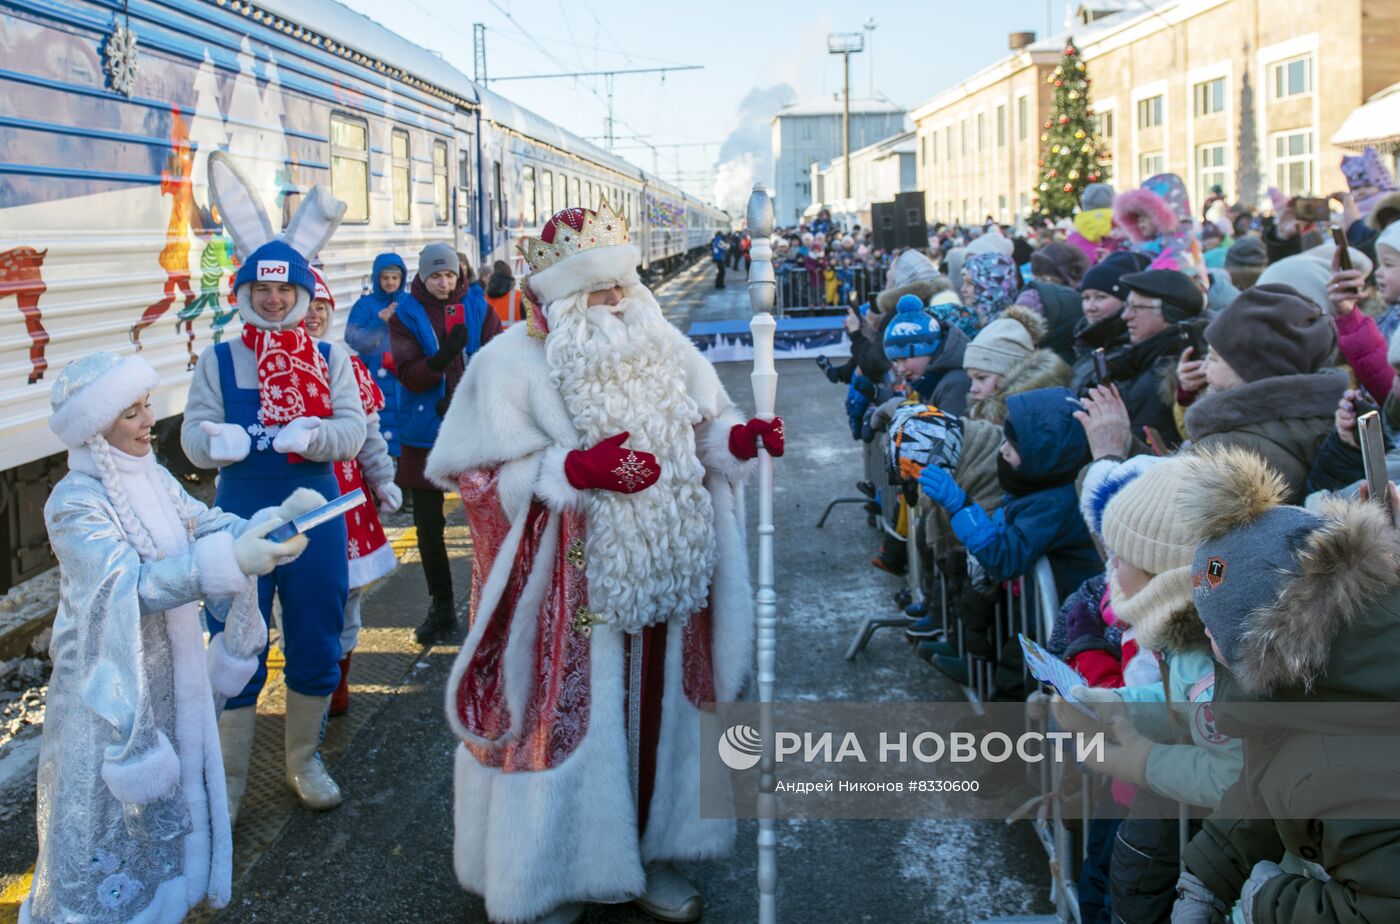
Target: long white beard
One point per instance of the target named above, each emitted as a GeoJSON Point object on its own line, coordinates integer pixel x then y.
{"type": "Point", "coordinates": [650, 555]}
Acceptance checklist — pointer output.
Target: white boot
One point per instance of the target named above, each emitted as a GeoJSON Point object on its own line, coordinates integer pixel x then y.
{"type": "Point", "coordinates": [236, 743]}
{"type": "Point", "coordinates": [669, 895]}
{"type": "Point", "coordinates": [306, 723]}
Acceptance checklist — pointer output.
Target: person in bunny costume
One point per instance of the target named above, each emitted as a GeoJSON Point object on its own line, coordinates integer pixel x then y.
{"type": "Point", "coordinates": [275, 410]}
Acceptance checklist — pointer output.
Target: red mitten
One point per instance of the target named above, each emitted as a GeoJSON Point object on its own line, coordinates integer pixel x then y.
{"type": "Point", "coordinates": [743, 438]}
{"type": "Point", "coordinates": [610, 466]}
{"type": "Point", "coordinates": [772, 435]}
{"type": "Point", "coordinates": [743, 441]}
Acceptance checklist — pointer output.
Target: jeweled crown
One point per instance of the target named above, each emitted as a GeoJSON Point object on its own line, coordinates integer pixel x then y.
{"type": "Point", "coordinates": [560, 239]}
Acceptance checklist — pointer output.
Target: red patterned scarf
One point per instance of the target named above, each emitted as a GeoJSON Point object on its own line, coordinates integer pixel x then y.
{"type": "Point", "coordinates": [371, 398]}
{"type": "Point", "coordinates": [293, 378]}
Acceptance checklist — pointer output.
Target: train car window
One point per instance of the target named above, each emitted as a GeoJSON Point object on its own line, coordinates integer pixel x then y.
{"type": "Point", "coordinates": [498, 206]}
{"type": "Point", "coordinates": [547, 193]}
{"type": "Point", "coordinates": [576, 199]}
{"type": "Point", "coordinates": [402, 171]}
{"type": "Point", "coordinates": [350, 165]}
{"type": "Point", "coordinates": [527, 195]}
{"type": "Point", "coordinates": [464, 185]}
{"type": "Point", "coordinates": [440, 182]}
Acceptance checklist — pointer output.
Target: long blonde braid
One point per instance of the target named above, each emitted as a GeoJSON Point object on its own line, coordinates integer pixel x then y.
{"type": "Point", "coordinates": [136, 532]}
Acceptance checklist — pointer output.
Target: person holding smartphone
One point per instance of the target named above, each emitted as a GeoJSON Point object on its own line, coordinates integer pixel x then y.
{"type": "Point", "coordinates": [434, 332]}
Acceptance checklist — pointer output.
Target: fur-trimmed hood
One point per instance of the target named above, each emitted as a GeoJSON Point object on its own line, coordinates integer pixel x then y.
{"type": "Point", "coordinates": [1129, 205]}
{"type": "Point", "coordinates": [1280, 398]}
{"type": "Point", "coordinates": [1332, 632]}
{"type": "Point", "coordinates": [926, 289]}
{"type": "Point", "coordinates": [1041, 369]}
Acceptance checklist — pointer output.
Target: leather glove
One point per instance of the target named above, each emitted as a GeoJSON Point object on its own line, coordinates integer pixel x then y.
{"type": "Point", "coordinates": [451, 347]}
{"type": "Point", "coordinates": [302, 500]}
{"type": "Point", "coordinates": [390, 497]}
{"type": "Point", "coordinates": [744, 438]}
{"type": "Point", "coordinates": [611, 467]}
{"type": "Point", "coordinates": [227, 442]}
{"type": "Point", "coordinates": [942, 489]}
{"type": "Point", "coordinates": [257, 556]}
{"type": "Point", "coordinates": [1263, 871]}
{"type": "Point", "coordinates": [295, 437]}
{"type": "Point", "coordinates": [1125, 760]}
{"type": "Point", "coordinates": [1196, 904]}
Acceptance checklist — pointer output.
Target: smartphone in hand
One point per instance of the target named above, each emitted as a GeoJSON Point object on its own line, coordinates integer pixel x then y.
{"type": "Point", "coordinates": [1343, 253]}
{"type": "Point", "coordinates": [1368, 431]}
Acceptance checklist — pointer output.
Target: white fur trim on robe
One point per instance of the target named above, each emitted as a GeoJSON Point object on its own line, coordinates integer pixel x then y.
{"type": "Point", "coordinates": [712, 445]}
{"type": "Point", "coordinates": [219, 575]}
{"type": "Point", "coordinates": [145, 778]}
{"type": "Point", "coordinates": [228, 675]}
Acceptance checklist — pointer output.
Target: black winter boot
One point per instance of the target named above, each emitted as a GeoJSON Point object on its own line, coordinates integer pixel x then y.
{"type": "Point", "coordinates": [440, 622]}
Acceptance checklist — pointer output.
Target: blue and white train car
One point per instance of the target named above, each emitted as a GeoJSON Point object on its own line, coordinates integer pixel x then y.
{"type": "Point", "coordinates": [108, 238]}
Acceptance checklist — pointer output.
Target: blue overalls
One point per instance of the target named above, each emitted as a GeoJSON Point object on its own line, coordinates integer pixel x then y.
{"type": "Point", "coordinates": [312, 588]}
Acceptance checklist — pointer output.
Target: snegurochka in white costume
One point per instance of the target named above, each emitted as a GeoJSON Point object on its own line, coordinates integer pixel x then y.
{"type": "Point", "coordinates": [600, 463]}
{"type": "Point", "coordinates": [133, 822]}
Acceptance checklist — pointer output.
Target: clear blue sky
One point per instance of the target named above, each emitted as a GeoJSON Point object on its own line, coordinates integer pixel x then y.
{"type": "Point", "coordinates": [749, 50]}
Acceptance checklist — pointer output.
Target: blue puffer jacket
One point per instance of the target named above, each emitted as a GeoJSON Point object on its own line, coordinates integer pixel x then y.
{"type": "Point", "coordinates": [368, 335]}
{"type": "Point", "coordinates": [1046, 522]}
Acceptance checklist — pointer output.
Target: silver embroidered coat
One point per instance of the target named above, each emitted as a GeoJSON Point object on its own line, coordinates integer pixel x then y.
{"type": "Point", "coordinates": [132, 806]}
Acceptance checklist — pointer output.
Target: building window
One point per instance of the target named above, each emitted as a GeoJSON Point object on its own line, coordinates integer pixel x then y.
{"type": "Point", "coordinates": [1149, 112]}
{"type": "Point", "coordinates": [1293, 157]}
{"type": "Point", "coordinates": [440, 182]}
{"type": "Point", "coordinates": [401, 176]}
{"type": "Point", "coordinates": [1023, 117]}
{"type": "Point", "coordinates": [981, 132]}
{"type": "Point", "coordinates": [576, 199]}
{"type": "Point", "coordinates": [1001, 208]}
{"type": "Point", "coordinates": [806, 126]}
{"type": "Point", "coordinates": [1001, 126]}
{"type": "Point", "coordinates": [1293, 77]}
{"type": "Point", "coordinates": [948, 142]}
{"type": "Point", "coordinates": [1151, 164]}
{"type": "Point", "coordinates": [547, 193]}
{"type": "Point", "coordinates": [1025, 203]}
{"type": "Point", "coordinates": [1104, 126]}
{"type": "Point", "coordinates": [588, 202]}
{"type": "Point", "coordinates": [1212, 171]}
{"type": "Point", "coordinates": [350, 165]}
{"type": "Point", "coordinates": [962, 133]}
{"type": "Point", "coordinates": [923, 150]}
{"type": "Point", "coordinates": [527, 195]}
{"type": "Point", "coordinates": [1210, 97]}
{"type": "Point", "coordinates": [498, 205]}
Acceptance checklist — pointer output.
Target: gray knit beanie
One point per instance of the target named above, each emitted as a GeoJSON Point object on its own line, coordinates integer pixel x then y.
{"type": "Point", "coordinates": [437, 257]}
{"type": "Point", "coordinates": [1272, 330]}
{"type": "Point", "coordinates": [1245, 569]}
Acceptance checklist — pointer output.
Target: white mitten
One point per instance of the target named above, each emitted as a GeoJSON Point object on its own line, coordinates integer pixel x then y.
{"type": "Point", "coordinates": [296, 436]}
{"type": "Point", "coordinates": [227, 442]}
{"type": "Point", "coordinates": [257, 555]}
{"type": "Point", "coordinates": [302, 500]}
{"type": "Point", "coordinates": [390, 497]}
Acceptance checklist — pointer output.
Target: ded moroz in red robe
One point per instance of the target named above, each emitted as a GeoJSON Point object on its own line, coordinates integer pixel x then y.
{"type": "Point", "coordinates": [550, 807]}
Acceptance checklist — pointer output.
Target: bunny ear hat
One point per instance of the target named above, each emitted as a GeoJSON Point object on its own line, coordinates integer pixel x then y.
{"type": "Point", "coordinates": [264, 255]}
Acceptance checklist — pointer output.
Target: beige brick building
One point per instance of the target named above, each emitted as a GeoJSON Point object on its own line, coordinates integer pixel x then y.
{"type": "Point", "coordinates": [1169, 85]}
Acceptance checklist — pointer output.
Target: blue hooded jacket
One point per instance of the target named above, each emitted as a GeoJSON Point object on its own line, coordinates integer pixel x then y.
{"type": "Point", "coordinates": [1045, 522]}
{"type": "Point", "coordinates": [368, 336]}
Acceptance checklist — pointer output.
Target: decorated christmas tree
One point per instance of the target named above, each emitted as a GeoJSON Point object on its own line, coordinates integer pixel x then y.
{"type": "Point", "coordinates": [1069, 148]}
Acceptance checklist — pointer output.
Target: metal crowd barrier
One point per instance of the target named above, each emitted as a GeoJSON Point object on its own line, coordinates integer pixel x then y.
{"type": "Point", "coordinates": [800, 288]}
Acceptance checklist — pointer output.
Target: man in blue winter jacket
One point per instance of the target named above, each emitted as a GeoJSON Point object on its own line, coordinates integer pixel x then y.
{"type": "Point", "coordinates": [367, 333]}
{"type": "Point", "coordinates": [718, 248]}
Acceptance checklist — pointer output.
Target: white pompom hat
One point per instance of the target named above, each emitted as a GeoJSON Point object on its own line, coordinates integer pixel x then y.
{"type": "Point", "coordinates": [90, 393]}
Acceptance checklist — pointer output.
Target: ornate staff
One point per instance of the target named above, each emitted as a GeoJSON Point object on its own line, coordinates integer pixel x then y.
{"type": "Point", "coordinates": [762, 294]}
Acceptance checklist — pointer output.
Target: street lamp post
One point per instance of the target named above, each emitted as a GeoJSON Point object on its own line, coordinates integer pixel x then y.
{"type": "Point", "coordinates": [846, 44]}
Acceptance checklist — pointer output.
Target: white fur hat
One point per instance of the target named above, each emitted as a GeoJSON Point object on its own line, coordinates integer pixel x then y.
{"type": "Point", "coordinates": [90, 393]}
